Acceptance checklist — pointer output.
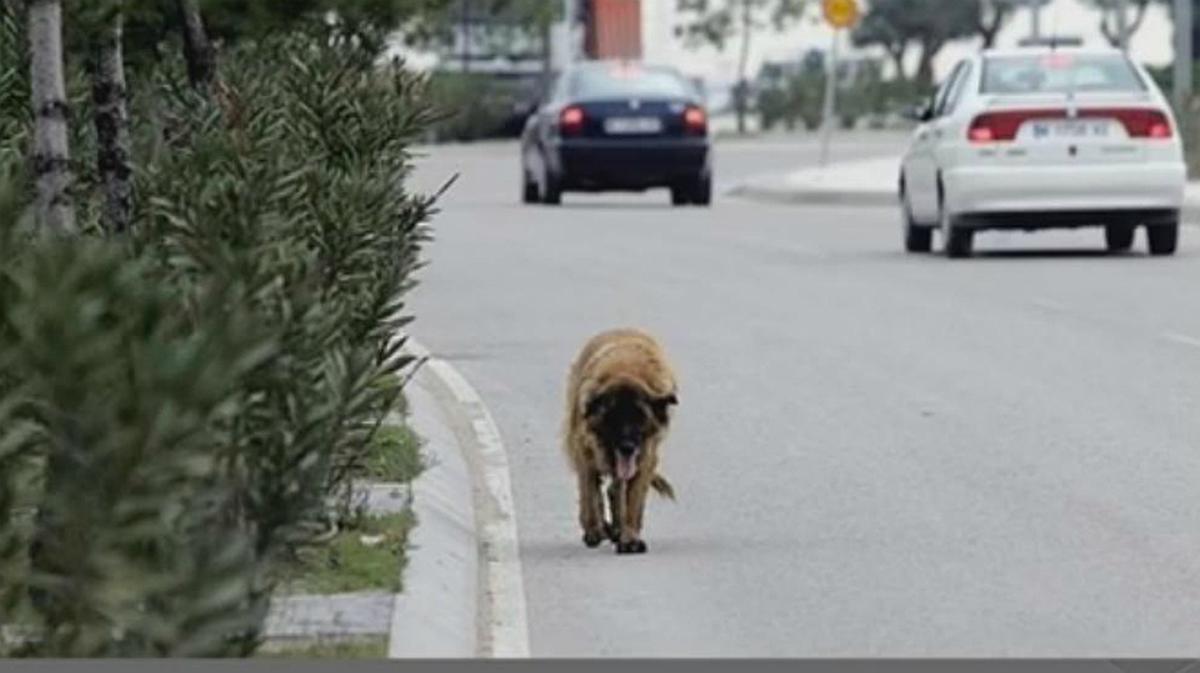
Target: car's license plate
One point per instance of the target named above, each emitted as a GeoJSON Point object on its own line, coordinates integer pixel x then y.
{"type": "Point", "coordinates": [632, 125]}
{"type": "Point", "coordinates": [1071, 129]}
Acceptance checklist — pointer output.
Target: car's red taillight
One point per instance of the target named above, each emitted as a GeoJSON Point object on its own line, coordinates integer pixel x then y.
{"type": "Point", "coordinates": [1147, 124]}
{"type": "Point", "coordinates": [1160, 130]}
{"type": "Point", "coordinates": [981, 134]}
{"type": "Point", "coordinates": [570, 121]}
{"type": "Point", "coordinates": [1003, 126]}
{"type": "Point", "coordinates": [695, 121]}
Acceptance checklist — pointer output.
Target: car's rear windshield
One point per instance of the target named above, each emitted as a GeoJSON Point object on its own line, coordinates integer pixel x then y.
{"type": "Point", "coordinates": [629, 80]}
{"type": "Point", "coordinates": [1059, 73]}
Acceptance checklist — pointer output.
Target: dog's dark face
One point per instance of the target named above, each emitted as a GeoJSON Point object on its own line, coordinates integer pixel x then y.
{"type": "Point", "coordinates": [623, 419]}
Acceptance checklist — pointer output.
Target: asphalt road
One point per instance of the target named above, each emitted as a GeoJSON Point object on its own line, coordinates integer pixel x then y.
{"type": "Point", "coordinates": [876, 453]}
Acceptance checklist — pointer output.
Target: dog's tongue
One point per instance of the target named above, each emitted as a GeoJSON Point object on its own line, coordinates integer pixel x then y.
{"type": "Point", "coordinates": [626, 467]}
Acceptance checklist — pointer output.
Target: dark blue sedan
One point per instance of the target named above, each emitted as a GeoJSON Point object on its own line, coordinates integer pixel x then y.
{"type": "Point", "coordinates": [618, 126]}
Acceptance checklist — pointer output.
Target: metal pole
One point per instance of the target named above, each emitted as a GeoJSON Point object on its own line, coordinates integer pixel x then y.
{"type": "Point", "coordinates": [568, 9]}
{"type": "Point", "coordinates": [465, 28]}
{"type": "Point", "coordinates": [830, 99]}
{"type": "Point", "coordinates": [1183, 55]}
{"type": "Point", "coordinates": [1035, 27]}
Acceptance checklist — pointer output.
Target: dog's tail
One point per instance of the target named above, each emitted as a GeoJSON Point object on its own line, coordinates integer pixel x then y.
{"type": "Point", "coordinates": [664, 488]}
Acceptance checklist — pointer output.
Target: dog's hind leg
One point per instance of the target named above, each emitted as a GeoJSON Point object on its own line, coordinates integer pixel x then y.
{"type": "Point", "coordinates": [591, 508]}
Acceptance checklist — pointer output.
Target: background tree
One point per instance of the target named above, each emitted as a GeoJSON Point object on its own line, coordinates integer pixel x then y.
{"type": "Point", "coordinates": [716, 22]}
{"type": "Point", "coordinates": [503, 27]}
{"type": "Point", "coordinates": [1116, 24]}
{"type": "Point", "coordinates": [51, 152]}
{"type": "Point", "coordinates": [927, 25]}
{"type": "Point", "coordinates": [990, 17]}
{"type": "Point", "coordinates": [179, 407]}
{"type": "Point", "coordinates": [197, 48]}
{"type": "Point", "coordinates": [103, 26]}
{"type": "Point", "coordinates": [884, 26]}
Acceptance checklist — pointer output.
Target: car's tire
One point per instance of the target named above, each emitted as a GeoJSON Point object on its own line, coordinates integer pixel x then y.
{"type": "Point", "coordinates": [917, 238]}
{"type": "Point", "coordinates": [529, 188]}
{"type": "Point", "coordinates": [702, 192]}
{"type": "Point", "coordinates": [1119, 237]}
{"type": "Point", "coordinates": [1163, 239]}
{"type": "Point", "coordinates": [960, 242]}
{"type": "Point", "coordinates": [552, 189]}
{"type": "Point", "coordinates": [680, 196]}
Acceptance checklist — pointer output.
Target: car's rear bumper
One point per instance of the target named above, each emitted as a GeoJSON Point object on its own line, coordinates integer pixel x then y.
{"type": "Point", "coordinates": [1149, 187]}
{"type": "Point", "coordinates": [631, 164]}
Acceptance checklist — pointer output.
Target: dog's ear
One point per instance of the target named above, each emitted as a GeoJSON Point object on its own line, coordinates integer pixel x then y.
{"type": "Point", "coordinates": [660, 404]}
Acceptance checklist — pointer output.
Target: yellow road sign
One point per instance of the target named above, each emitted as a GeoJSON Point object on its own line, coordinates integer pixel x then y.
{"type": "Point", "coordinates": [840, 13]}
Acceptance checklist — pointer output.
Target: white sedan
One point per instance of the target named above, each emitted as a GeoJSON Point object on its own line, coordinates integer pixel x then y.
{"type": "Point", "coordinates": [1042, 137]}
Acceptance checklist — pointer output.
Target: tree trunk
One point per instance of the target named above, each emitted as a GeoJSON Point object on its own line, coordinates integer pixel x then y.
{"type": "Point", "coordinates": [197, 49]}
{"type": "Point", "coordinates": [929, 51]}
{"type": "Point", "coordinates": [742, 99]}
{"type": "Point", "coordinates": [1111, 35]}
{"type": "Point", "coordinates": [1139, 17]}
{"type": "Point", "coordinates": [897, 54]}
{"type": "Point", "coordinates": [991, 20]}
{"type": "Point", "coordinates": [51, 150]}
{"type": "Point", "coordinates": [107, 69]}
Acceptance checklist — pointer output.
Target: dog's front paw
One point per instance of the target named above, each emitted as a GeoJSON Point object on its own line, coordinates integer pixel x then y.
{"type": "Point", "coordinates": [613, 532]}
{"type": "Point", "coordinates": [593, 538]}
{"type": "Point", "coordinates": [631, 547]}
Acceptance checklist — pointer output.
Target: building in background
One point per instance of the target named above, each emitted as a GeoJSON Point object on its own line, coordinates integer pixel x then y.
{"type": "Point", "coordinates": [612, 29]}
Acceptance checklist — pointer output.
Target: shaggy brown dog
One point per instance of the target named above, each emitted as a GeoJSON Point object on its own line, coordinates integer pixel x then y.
{"type": "Point", "coordinates": [619, 398]}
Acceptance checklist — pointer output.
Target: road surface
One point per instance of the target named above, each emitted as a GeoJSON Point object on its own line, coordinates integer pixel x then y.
{"type": "Point", "coordinates": [876, 453]}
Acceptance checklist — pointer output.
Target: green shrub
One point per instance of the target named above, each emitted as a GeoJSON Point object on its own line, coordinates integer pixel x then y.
{"type": "Point", "coordinates": [473, 106]}
{"type": "Point", "coordinates": [798, 99]}
{"type": "Point", "coordinates": [294, 186]}
{"type": "Point", "coordinates": [125, 402]}
{"type": "Point", "coordinates": [394, 457]}
{"type": "Point", "coordinates": [178, 406]}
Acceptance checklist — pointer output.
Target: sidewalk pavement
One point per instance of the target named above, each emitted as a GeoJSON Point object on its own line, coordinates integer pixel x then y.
{"type": "Point", "coordinates": [436, 615]}
{"type": "Point", "coordinates": [868, 182]}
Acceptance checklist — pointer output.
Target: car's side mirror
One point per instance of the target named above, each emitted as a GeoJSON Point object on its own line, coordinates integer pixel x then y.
{"type": "Point", "coordinates": [922, 112]}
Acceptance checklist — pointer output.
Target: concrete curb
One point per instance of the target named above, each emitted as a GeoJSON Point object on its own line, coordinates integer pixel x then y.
{"type": "Point", "coordinates": [302, 619]}
{"type": "Point", "coordinates": [781, 193]}
{"type": "Point", "coordinates": [502, 626]}
{"type": "Point", "coordinates": [436, 615]}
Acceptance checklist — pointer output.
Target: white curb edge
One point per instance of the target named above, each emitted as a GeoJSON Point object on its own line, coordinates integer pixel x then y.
{"type": "Point", "coordinates": [503, 623]}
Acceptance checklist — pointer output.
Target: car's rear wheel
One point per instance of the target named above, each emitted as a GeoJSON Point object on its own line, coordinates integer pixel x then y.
{"type": "Point", "coordinates": [680, 195]}
{"type": "Point", "coordinates": [1163, 238]}
{"type": "Point", "coordinates": [702, 193]}
{"type": "Point", "coordinates": [551, 189]}
{"type": "Point", "coordinates": [917, 238]}
{"type": "Point", "coordinates": [958, 241]}
{"type": "Point", "coordinates": [1119, 237]}
{"type": "Point", "coordinates": [529, 188]}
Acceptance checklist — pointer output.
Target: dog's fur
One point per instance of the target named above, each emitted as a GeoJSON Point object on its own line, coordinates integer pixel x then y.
{"type": "Point", "coordinates": [619, 398]}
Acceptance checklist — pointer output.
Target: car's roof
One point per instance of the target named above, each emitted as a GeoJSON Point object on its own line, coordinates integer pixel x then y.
{"type": "Point", "coordinates": [600, 64]}
{"type": "Point", "coordinates": [1047, 50]}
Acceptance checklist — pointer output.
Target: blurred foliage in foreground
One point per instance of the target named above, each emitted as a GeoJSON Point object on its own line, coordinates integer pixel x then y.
{"type": "Point", "coordinates": [181, 405]}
